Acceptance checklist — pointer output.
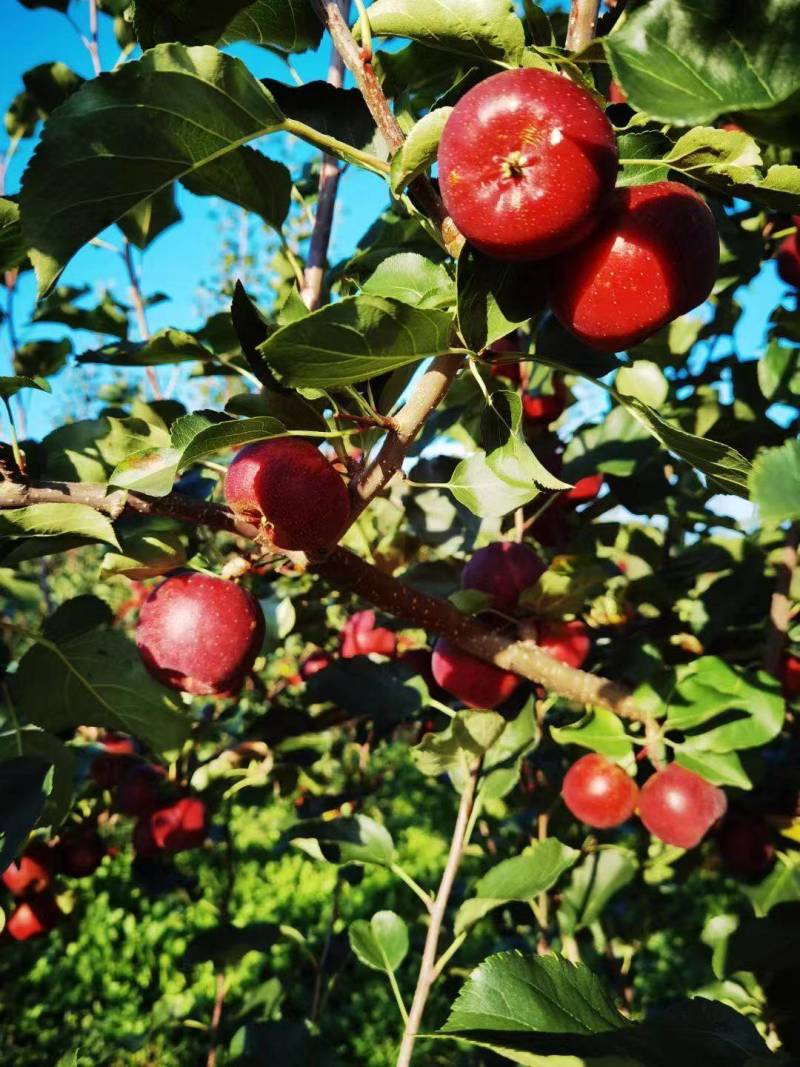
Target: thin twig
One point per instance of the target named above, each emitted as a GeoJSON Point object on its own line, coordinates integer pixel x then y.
{"type": "Point", "coordinates": [427, 968]}
{"type": "Point", "coordinates": [139, 311]}
{"type": "Point", "coordinates": [92, 44]}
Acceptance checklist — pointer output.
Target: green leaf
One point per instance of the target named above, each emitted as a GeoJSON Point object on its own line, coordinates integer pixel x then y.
{"type": "Point", "coordinates": [355, 839]}
{"type": "Point", "coordinates": [781, 885]}
{"type": "Point", "coordinates": [355, 339]}
{"type": "Point", "coordinates": [687, 64]}
{"type": "Point", "coordinates": [12, 244]}
{"type": "Point", "coordinates": [522, 877]}
{"type": "Point", "coordinates": [339, 113]}
{"type": "Point", "coordinates": [726, 469]}
{"type": "Point", "coordinates": [775, 483]}
{"type": "Point", "coordinates": [143, 223]}
{"type": "Point", "coordinates": [39, 744]}
{"type": "Point", "coordinates": [455, 749]}
{"type": "Point", "coordinates": [48, 520]}
{"type": "Point", "coordinates": [602, 874]}
{"type": "Point", "coordinates": [249, 179]}
{"type": "Point", "coordinates": [411, 279]}
{"type": "Point", "coordinates": [165, 346]}
{"type": "Point", "coordinates": [495, 298]}
{"type": "Point", "coordinates": [50, 84]}
{"type": "Point", "coordinates": [145, 555]}
{"type": "Point", "coordinates": [125, 136]}
{"type": "Point", "coordinates": [483, 29]}
{"type": "Point", "coordinates": [93, 675]}
{"type": "Point", "coordinates": [9, 386]}
{"type": "Point", "coordinates": [41, 359]}
{"type": "Point", "coordinates": [719, 768]}
{"type": "Point", "coordinates": [381, 943]}
{"type": "Point", "coordinates": [779, 371]}
{"type": "Point", "coordinates": [24, 785]}
{"type": "Point", "coordinates": [419, 150]}
{"type": "Point", "coordinates": [599, 730]}
{"type": "Point", "coordinates": [106, 317]}
{"type": "Point", "coordinates": [565, 586]}
{"type": "Point", "coordinates": [643, 380]}
{"type": "Point", "coordinates": [503, 759]}
{"type": "Point", "coordinates": [285, 25]}
{"type": "Point", "coordinates": [647, 145]}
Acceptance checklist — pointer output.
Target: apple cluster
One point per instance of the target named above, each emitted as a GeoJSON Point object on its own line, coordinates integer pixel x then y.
{"type": "Point", "coordinates": [527, 168]}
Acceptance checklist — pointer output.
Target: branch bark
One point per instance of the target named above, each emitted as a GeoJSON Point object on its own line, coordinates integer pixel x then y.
{"type": "Point", "coordinates": [428, 965]}
{"type": "Point", "coordinates": [780, 615]}
{"type": "Point", "coordinates": [582, 24]}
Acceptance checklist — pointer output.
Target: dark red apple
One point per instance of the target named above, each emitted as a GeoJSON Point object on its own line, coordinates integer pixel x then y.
{"type": "Point", "coordinates": [313, 664]}
{"type": "Point", "coordinates": [545, 408]}
{"type": "Point", "coordinates": [598, 792]}
{"type": "Point", "coordinates": [361, 636]}
{"type": "Point", "coordinates": [679, 807]}
{"type": "Point", "coordinates": [527, 161]}
{"type": "Point", "coordinates": [654, 257]}
{"type": "Point", "coordinates": [510, 371]}
{"type": "Point", "coordinates": [179, 826]}
{"type": "Point", "coordinates": [745, 844]}
{"type": "Point", "coordinates": [138, 792]}
{"type": "Point", "coordinates": [568, 642]}
{"type": "Point", "coordinates": [585, 489]}
{"type": "Point", "coordinates": [291, 485]}
{"type": "Point", "coordinates": [33, 873]}
{"type": "Point", "coordinates": [81, 853]}
{"type": "Point", "coordinates": [200, 634]}
{"type": "Point", "coordinates": [790, 677]}
{"type": "Point", "coordinates": [503, 570]}
{"type": "Point", "coordinates": [33, 917]}
{"type": "Point", "coordinates": [788, 259]}
{"type": "Point", "coordinates": [473, 682]}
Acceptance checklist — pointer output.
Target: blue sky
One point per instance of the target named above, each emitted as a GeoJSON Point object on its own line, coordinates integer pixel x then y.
{"type": "Point", "coordinates": [183, 258]}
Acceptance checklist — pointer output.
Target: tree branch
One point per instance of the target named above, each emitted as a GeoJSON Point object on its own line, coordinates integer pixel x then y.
{"type": "Point", "coordinates": [428, 965]}
{"type": "Point", "coordinates": [345, 570]}
{"type": "Point", "coordinates": [780, 614]}
{"type": "Point", "coordinates": [582, 24]}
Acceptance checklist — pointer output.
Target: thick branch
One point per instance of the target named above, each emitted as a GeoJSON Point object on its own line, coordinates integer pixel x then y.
{"type": "Point", "coordinates": [345, 570]}
{"type": "Point", "coordinates": [582, 24]}
{"type": "Point", "coordinates": [780, 615]}
{"type": "Point", "coordinates": [427, 970]}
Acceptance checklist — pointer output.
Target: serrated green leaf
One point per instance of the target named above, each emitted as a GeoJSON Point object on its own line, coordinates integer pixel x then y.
{"type": "Point", "coordinates": [775, 483]}
{"type": "Point", "coordinates": [150, 218]}
{"type": "Point", "coordinates": [165, 346]}
{"type": "Point", "coordinates": [719, 768]}
{"type": "Point", "coordinates": [455, 749]}
{"type": "Point", "coordinates": [48, 520]}
{"type": "Point", "coordinates": [248, 179]}
{"type": "Point", "coordinates": [495, 298]}
{"type": "Point", "coordinates": [12, 243]}
{"type": "Point", "coordinates": [781, 885]}
{"type": "Point", "coordinates": [286, 25]}
{"type": "Point", "coordinates": [601, 731]}
{"type": "Point", "coordinates": [419, 150]}
{"type": "Point", "coordinates": [411, 279]}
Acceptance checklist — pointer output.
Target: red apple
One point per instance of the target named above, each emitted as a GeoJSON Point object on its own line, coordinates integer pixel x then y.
{"type": "Point", "coordinates": [33, 917]}
{"type": "Point", "coordinates": [545, 408]}
{"type": "Point", "coordinates": [138, 792]}
{"type": "Point", "coordinates": [179, 826]}
{"type": "Point", "coordinates": [568, 642]}
{"type": "Point", "coordinates": [473, 682]}
{"type": "Point", "coordinates": [502, 570]}
{"type": "Point", "coordinates": [200, 634]}
{"type": "Point", "coordinates": [289, 483]}
{"type": "Point", "coordinates": [313, 664]}
{"type": "Point", "coordinates": [616, 95]}
{"type": "Point", "coordinates": [679, 807]}
{"type": "Point", "coordinates": [598, 792]}
{"type": "Point", "coordinates": [585, 489]}
{"type": "Point", "coordinates": [81, 852]}
{"type": "Point", "coordinates": [654, 257]}
{"type": "Point", "coordinates": [745, 845]}
{"type": "Point", "coordinates": [510, 371]}
{"type": "Point", "coordinates": [118, 744]}
{"type": "Point", "coordinates": [788, 259]}
{"type": "Point", "coordinates": [361, 636]}
{"type": "Point", "coordinates": [33, 873]}
{"type": "Point", "coordinates": [790, 677]}
{"type": "Point", "coordinates": [527, 161]}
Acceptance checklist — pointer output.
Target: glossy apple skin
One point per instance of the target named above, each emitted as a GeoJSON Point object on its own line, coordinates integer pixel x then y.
{"type": "Point", "coordinates": [569, 642]}
{"type": "Point", "coordinates": [654, 257]}
{"type": "Point", "coordinates": [790, 677]}
{"type": "Point", "coordinates": [291, 484]}
{"type": "Point", "coordinates": [200, 634]}
{"type": "Point", "coordinates": [679, 807]}
{"type": "Point", "coordinates": [788, 260]}
{"type": "Point", "coordinates": [33, 917]}
{"type": "Point", "coordinates": [527, 160]}
{"type": "Point", "coordinates": [745, 845]}
{"type": "Point", "coordinates": [34, 872]}
{"type": "Point", "coordinates": [81, 853]}
{"type": "Point", "coordinates": [138, 792]}
{"type": "Point", "coordinates": [585, 489]}
{"type": "Point", "coordinates": [361, 636]}
{"type": "Point", "coordinates": [179, 826]}
{"type": "Point", "coordinates": [473, 682]}
{"type": "Point", "coordinates": [503, 570]}
{"type": "Point", "coordinates": [598, 792]}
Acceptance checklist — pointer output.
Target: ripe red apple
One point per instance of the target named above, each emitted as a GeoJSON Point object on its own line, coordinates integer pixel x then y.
{"type": "Point", "coordinates": [788, 259]}
{"type": "Point", "coordinates": [569, 642]}
{"type": "Point", "coordinates": [361, 636]}
{"type": "Point", "coordinates": [790, 677]}
{"type": "Point", "coordinates": [313, 664]}
{"type": "Point", "coordinates": [33, 873]}
{"type": "Point", "coordinates": [35, 916]}
{"type": "Point", "coordinates": [200, 634]}
{"type": "Point", "coordinates": [138, 791]}
{"type": "Point", "coordinates": [745, 845]}
{"type": "Point", "coordinates": [598, 792]}
{"type": "Point", "coordinates": [179, 826]}
{"type": "Point", "coordinates": [545, 408]}
{"type": "Point", "coordinates": [679, 807]}
{"type": "Point", "coordinates": [585, 489]}
{"type": "Point", "coordinates": [295, 488]}
{"type": "Point", "coordinates": [653, 257]}
{"type": "Point", "coordinates": [502, 570]}
{"type": "Point", "coordinates": [527, 160]}
{"type": "Point", "coordinates": [473, 682]}
{"type": "Point", "coordinates": [81, 852]}
{"type": "Point", "coordinates": [616, 95]}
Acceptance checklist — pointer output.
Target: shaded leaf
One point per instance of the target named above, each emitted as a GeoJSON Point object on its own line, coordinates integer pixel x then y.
{"type": "Point", "coordinates": [356, 839]}
{"type": "Point", "coordinates": [24, 786]}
